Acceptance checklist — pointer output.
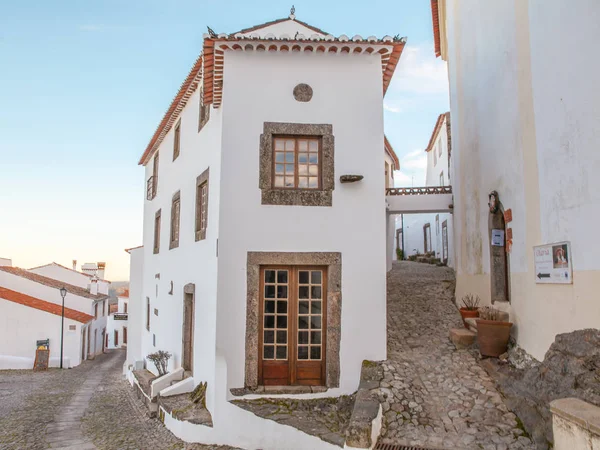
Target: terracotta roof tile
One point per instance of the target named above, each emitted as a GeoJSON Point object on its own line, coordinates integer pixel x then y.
{"type": "Point", "coordinates": [42, 305]}
{"type": "Point", "coordinates": [212, 82]}
{"type": "Point", "coordinates": [51, 282]}
{"type": "Point", "coordinates": [113, 308]}
{"type": "Point", "coordinates": [436, 130]}
{"type": "Point", "coordinates": [436, 27]}
{"type": "Point", "coordinates": [124, 294]}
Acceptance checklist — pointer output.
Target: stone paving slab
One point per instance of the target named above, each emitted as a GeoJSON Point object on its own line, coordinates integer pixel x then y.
{"type": "Point", "coordinates": [432, 394]}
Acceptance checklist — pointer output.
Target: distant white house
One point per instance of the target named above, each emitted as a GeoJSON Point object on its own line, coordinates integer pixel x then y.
{"type": "Point", "coordinates": [24, 320]}
{"type": "Point", "coordinates": [432, 233]}
{"type": "Point", "coordinates": [40, 292]}
{"type": "Point", "coordinates": [72, 276]}
{"type": "Point", "coordinates": [281, 124]}
{"type": "Point", "coordinates": [116, 324]}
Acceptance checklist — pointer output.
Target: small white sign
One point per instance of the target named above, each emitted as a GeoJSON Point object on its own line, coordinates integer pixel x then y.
{"type": "Point", "coordinates": [498, 238]}
{"type": "Point", "coordinates": [553, 263]}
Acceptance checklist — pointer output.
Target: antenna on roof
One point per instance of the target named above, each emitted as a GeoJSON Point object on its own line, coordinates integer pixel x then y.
{"type": "Point", "coordinates": [293, 12]}
{"type": "Point", "coordinates": [211, 32]}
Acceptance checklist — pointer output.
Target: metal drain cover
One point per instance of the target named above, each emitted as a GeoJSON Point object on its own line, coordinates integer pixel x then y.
{"type": "Point", "coordinates": [382, 446]}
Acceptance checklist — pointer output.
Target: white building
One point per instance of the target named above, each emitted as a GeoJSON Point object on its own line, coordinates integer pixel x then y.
{"type": "Point", "coordinates": [136, 308]}
{"type": "Point", "coordinates": [32, 300]}
{"type": "Point", "coordinates": [82, 279]}
{"type": "Point", "coordinates": [432, 233]}
{"type": "Point", "coordinates": [117, 322]}
{"type": "Point", "coordinates": [525, 127]}
{"type": "Point", "coordinates": [281, 124]}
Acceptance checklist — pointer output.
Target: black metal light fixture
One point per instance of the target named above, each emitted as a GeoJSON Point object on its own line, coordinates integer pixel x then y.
{"type": "Point", "coordinates": [63, 294]}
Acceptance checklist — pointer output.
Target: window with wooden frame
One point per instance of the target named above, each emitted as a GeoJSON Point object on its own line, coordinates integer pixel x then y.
{"type": "Point", "coordinates": [116, 337]}
{"type": "Point", "coordinates": [296, 162]}
{"type": "Point", "coordinates": [176, 140]}
{"type": "Point", "coordinates": [203, 112]}
{"type": "Point", "coordinates": [157, 232]}
{"type": "Point", "coordinates": [292, 332]}
{"type": "Point", "coordinates": [175, 220]}
{"type": "Point", "coordinates": [148, 313]}
{"type": "Point", "coordinates": [202, 205]}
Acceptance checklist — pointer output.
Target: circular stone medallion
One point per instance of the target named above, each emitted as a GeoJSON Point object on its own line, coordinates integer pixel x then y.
{"type": "Point", "coordinates": [303, 93]}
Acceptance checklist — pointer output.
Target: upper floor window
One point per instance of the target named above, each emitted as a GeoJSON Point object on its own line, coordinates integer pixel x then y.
{"type": "Point", "coordinates": [204, 111]}
{"type": "Point", "coordinates": [175, 214]}
{"type": "Point", "coordinates": [201, 205]}
{"type": "Point", "coordinates": [125, 307]}
{"type": "Point", "coordinates": [157, 232]}
{"type": "Point", "coordinates": [152, 184]}
{"type": "Point", "coordinates": [176, 140]}
{"type": "Point", "coordinates": [297, 163]}
{"type": "Point", "coordinates": [148, 313]}
{"type": "Point", "coordinates": [96, 311]}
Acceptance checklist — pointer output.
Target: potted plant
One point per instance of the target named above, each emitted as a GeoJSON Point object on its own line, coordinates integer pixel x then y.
{"type": "Point", "coordinates": [469, 308]}
{"type": "Point", "coordinates": [492, 332]}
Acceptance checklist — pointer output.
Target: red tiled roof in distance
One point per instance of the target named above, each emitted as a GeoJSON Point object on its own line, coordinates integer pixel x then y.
{"type": "Point", "coordinates": [436, 130]}
{"type": "Point", "coordinates": [390, 151]}
{"type": "Point", "coordinates": [124, 294]}
{"type": "Point", "coordinates": [42, 305]}
{"type": "Point", "coordinates": [436, 27]}
{"type": "Point", "coordinates": [51, 282]}
{"type": "Point", "coordinates": [113, 308]}
{"type": "Point", "coordinates": [128, 250]}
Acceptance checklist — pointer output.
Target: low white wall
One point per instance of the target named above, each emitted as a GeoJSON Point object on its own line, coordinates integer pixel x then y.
{"type": "Point", "coordinates": [20, 328]}
{"type": "Point", "coordinates": [575, 424]}
{"type": "Point", "coordinates": [240, 428]}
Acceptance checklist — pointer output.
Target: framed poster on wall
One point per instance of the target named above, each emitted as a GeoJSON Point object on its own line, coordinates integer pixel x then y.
{"type": "Point", "coordinates": [553, 263]}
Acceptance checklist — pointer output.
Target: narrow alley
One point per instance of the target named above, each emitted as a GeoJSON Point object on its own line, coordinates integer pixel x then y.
{"type": "Point", "coordinates": [432, 394]}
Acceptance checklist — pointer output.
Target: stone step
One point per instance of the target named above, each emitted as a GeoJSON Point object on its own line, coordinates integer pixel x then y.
{"type": "Point", "coordinates": [462, 338]}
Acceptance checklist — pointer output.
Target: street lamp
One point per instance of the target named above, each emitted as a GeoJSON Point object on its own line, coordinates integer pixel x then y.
{"type": "Point", "coordinates": [63, 294]}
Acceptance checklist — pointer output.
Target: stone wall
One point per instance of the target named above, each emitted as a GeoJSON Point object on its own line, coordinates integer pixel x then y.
{"type": "Point", "coordinates": [571, 368]}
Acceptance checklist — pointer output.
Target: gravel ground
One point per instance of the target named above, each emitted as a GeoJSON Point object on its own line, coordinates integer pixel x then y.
{"type": "Point", "coordinates": [434, 395]}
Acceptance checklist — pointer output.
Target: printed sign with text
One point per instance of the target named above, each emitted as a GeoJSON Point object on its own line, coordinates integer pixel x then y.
{"type": "Point", "coordinates": [553, 263]}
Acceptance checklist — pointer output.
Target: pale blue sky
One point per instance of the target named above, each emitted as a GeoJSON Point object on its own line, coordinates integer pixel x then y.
{"type": "Point", "coordinates": [83, 85]}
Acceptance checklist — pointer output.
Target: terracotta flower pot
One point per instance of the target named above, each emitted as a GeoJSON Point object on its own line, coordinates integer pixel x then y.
{"type": "Point", "coordinates": [468, 313]}
{"type": "Point", "coordinates": [492, 337]}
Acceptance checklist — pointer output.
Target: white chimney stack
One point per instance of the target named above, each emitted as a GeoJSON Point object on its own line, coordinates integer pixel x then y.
{"type": "Point", "coordinates": [74, 264]}
{"type": "Point", "coordinates": [6, 262]}
{"type": "Point", "coordinates": [94, 286]}
{"type": "Point", "coordinates": [101, 269]}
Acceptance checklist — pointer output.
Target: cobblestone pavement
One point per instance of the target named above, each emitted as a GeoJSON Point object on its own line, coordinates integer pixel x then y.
{"type": "Point", "coordinates": [33, 404]}
{"type": "Point", "coordinates": [432, 394]}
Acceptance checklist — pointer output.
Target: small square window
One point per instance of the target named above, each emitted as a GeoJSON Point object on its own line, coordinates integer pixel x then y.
{"type": "Point", "coordinates": [202, 205]}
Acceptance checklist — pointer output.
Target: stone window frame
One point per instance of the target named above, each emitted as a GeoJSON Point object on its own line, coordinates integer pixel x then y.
{"type": "Point", "coordinates": [203, 111]}
{"type": "Point", "coordinates": [177, 140]}
{"type": "Point", "coordinates": [157, 220]}
{"type": "Point", "coordinates": [200, 233]}
{"type": "Point", "coordinates": [333, 261]}
{"type": "Point", "coordinates": [174, 239]}
{"type": "Point", "coordinates": [297, 197]}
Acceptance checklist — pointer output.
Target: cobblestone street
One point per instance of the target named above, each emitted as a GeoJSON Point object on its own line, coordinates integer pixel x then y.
{"type": "Point", "coordinates": [434, 395]}
{"type": "Point", "coordinates": [90, 406]}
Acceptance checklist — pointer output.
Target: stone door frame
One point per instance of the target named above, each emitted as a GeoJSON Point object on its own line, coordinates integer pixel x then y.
{"type": "Point", "coordinates": [333, 262]}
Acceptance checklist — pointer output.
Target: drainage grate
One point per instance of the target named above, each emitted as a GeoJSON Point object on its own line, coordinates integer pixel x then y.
{"type": "Point", "coordinates": [381, 446]}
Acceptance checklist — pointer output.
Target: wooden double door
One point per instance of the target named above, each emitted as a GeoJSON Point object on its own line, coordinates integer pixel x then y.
{"type": "Point", "coordinates": [292, 325]}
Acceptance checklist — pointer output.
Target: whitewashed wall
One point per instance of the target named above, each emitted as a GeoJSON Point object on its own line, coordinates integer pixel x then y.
{"type": "Point", "coordinates": [52, 295]}
{"type": "Point", "coordinates": [348, 95]}
{"type": "Point", "coordinates": [438, 165]}
{"type": "Point", "coordinates": [20, 328]}
{"type": "Point", "coordinates": [533, 138]}
{"type": "Point", "coordinates": [74, 278]}
{"type": "Point", "coordinates": [192, 262]}
{"type": "Point", "coordinates": [136, 309]}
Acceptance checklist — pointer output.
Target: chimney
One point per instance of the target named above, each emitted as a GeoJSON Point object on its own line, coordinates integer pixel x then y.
{"type": "Point", "coordinates": [94, 286]}
{"type": "Point", "coordinates": [6, 262]}
{"type": "Point", "coordinates": [74, 264]}
{"type": "Point", "coordinates": [101, 268]}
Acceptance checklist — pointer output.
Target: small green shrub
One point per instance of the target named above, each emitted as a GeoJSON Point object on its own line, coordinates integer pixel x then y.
{"type": "Point", "coordinates": [399, 254]}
